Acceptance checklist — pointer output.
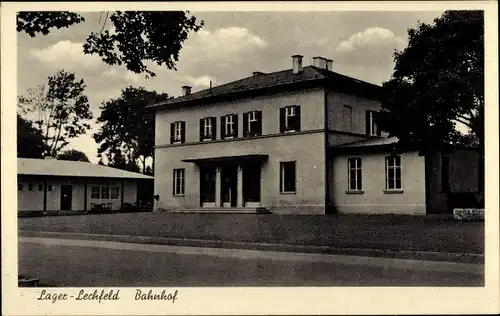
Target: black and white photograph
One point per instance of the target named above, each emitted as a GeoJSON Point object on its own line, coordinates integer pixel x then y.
{"type": "Point", "coordinates": [166, 149]}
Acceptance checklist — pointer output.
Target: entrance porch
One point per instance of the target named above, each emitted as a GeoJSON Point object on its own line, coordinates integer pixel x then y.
{"type": "Point", "coordinates": [230, 184]}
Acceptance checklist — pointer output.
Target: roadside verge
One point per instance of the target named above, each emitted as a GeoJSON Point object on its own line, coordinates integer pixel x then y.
{"type": "Point", "coordinates": [445, 257]}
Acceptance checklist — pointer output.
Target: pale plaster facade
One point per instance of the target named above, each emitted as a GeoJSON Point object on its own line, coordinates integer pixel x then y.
{"type": "Point", "coordinates": [33, 201]}
{"type": "Point", "coordinates": [374, 198]}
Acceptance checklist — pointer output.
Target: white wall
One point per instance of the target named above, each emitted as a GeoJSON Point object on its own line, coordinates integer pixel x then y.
{"type": "Point", "coordinates": [373, 199]}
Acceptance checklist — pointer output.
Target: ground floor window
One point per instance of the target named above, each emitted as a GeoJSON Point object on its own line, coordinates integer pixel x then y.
{"type": "Point", "coordinates": [178, 184]}
{"type": "Point", "coordinates": [355, 174]}
{"type": "Point", "coordinates": [287, 177]}
{"type": "Point", "coordinates": [103, 192]}
{"type": "Point", "coordinates": [393, 172]}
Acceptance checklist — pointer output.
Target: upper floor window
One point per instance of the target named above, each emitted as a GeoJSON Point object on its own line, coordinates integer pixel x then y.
{"type": "Point", "coordinates": [355, 174]}
{"type": "Point", "coordinates": [252, 123]}
{"type": "Point", "coordinates": [40, 187]}
{"type": "Point", "coordinates": [178, 132]}
{"type": "Point", "coordinates": [208, 129]}
{"type": "Point", "coordinates": [20, 186]}
{"type": "Point", "coordinates": [290, 119]}
{"type": "Point", "coordinates": [393, 172]}
{"type": "Point", "coordinates": [347, 118]}
{"type": "Point", "coordinates": [30, 187]}
{"type": "Point", "coordinates": [370, 126]}
{"type": "Point", "coordinates": [229, 126]}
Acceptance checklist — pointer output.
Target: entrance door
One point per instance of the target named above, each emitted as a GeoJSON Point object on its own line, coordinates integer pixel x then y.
{"type": "Point", "coordinates": [207, 186]}
{"type": "Point", "coordinates": [229, 176]}
{"type": "Point", "coordinates": [66, 197]}
{"type": "Point", "coordinates": [251, 185]}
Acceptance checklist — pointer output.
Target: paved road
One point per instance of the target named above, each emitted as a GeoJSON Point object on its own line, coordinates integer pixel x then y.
{"type": "Point", "coordinates": [96, 264]}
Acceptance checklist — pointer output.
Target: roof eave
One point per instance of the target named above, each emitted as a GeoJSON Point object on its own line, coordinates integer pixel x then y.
{"type": "Point", "coordinates": [236, 94]}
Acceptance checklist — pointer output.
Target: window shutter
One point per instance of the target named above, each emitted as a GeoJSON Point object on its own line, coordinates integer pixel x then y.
{"type": "Point", "coordinates": [367, 122]}
{"type": "Point", "coordinates": [282, 120]}
{"type": "Point", "coordinates": [172, 132]}
{"type": "Point", "coordinates": [183, 132]}
{"type": "Point", "coordinates": [258, 115]}
{"type": "Point", "coordinates": [222, 127]}
{"type": "Point", "coordinates": [375, 118]}
{"type": "Point", "coordinates": [235, 122]}
{"type": "Point", "coordinates": [297, 118]}
{"type": "Point", "coordinates": [213, 121]}
{"type": "Point", "coordinates": [202, 129]}
{"type": "Point", "coordinates": [281, 176]}
{"type": "Point", "coordinates": [245, 124]}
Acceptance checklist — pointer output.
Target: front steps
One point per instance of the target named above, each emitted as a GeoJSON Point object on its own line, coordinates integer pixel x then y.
{"type": "Point", "coordinates": [226, 210]}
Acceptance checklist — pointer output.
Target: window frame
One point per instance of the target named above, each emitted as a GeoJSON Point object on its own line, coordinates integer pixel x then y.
{"type": "Point", "coordinates": [207, 128]}
{"type": "Point", "coordinates": [229, 121]}
{"type": "Point", "coordinates": [177, 132]}
{"type": "Point", "coordinates": [396, 166]}
{"type": "Point", "coordinates": [283, 177]}
{"type": "Point", "coordinates": [95, 189]}
{"type": "Point", "coordinates": [358, 166]}
{"type": "Point", "coordinates": [293, 113]}
{"type": "Point", "coordinates": [105, 193]}
{"type": "Point", "coordinates": [373, 129]}
{"type": "Point", "coordinates": [179, 182]}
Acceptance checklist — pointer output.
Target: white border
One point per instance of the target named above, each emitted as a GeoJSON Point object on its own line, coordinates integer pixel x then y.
{"type": "Point", "coordinates": [334, 300]}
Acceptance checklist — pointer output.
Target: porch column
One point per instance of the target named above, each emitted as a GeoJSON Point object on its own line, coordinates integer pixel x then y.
{"type": "Point", "coordinates": [85, 196]}
{"type": "Point", "coordinates": [123, 191]}
{"type": "Point", "coordinates": [45, 195]}
{"type": "Point", "coordinates": [218, 187]}
{"type": "Point", "coordinates": [239, 184]}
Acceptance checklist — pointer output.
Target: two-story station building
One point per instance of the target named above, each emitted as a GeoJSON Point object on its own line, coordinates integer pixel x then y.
{"type": "Point", "coordinates": [302, 140]}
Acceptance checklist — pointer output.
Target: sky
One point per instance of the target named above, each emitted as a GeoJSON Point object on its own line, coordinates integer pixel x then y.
{"type": "Point", "coordinates": [230, 46]}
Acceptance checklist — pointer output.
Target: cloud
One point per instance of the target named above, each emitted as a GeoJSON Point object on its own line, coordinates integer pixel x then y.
{"type": "Point", "coordinates": [222, 47]}
{"type": "Point", "coordinates": [370, 38]}
{"type": "Point", "coordinates": [373, 46]}
{"type": "Point", "coordinates": [66, 54]}
{"type": "Point", "coordinates": [202, 81]}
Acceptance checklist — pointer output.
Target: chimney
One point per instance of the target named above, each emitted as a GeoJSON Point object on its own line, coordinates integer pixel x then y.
{"type": "Point", "coordinates": [186, 90]}
{"type": "Point", "coordinates": [297, 63]}
{"type": "Point", "coordinates": [320, 62]}
{"type": "Point", "coordinates": [329, 64]}
{"type": "Point", "coordinates": [257, 73]}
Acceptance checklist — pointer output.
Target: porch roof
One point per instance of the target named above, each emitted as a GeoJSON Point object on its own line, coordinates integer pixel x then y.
{"type": "Point", "coordinates": [221, 159]}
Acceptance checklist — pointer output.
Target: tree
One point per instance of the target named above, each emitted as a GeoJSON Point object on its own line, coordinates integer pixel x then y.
{"type": "Point", "coordinates": [117, 160]}
{"type": "Point", "coordinates": [127, 127]}
{"type": "Point", "coordinates": [139, 36]}
{"type": "Point", "coordinates": [438, 81]}
{"type": "Point", "coordinates": [29, 140]}
{"type": "Point", "coordinates": [60, 109]}
{"type": "Point", "coordinates": [73, 155]}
